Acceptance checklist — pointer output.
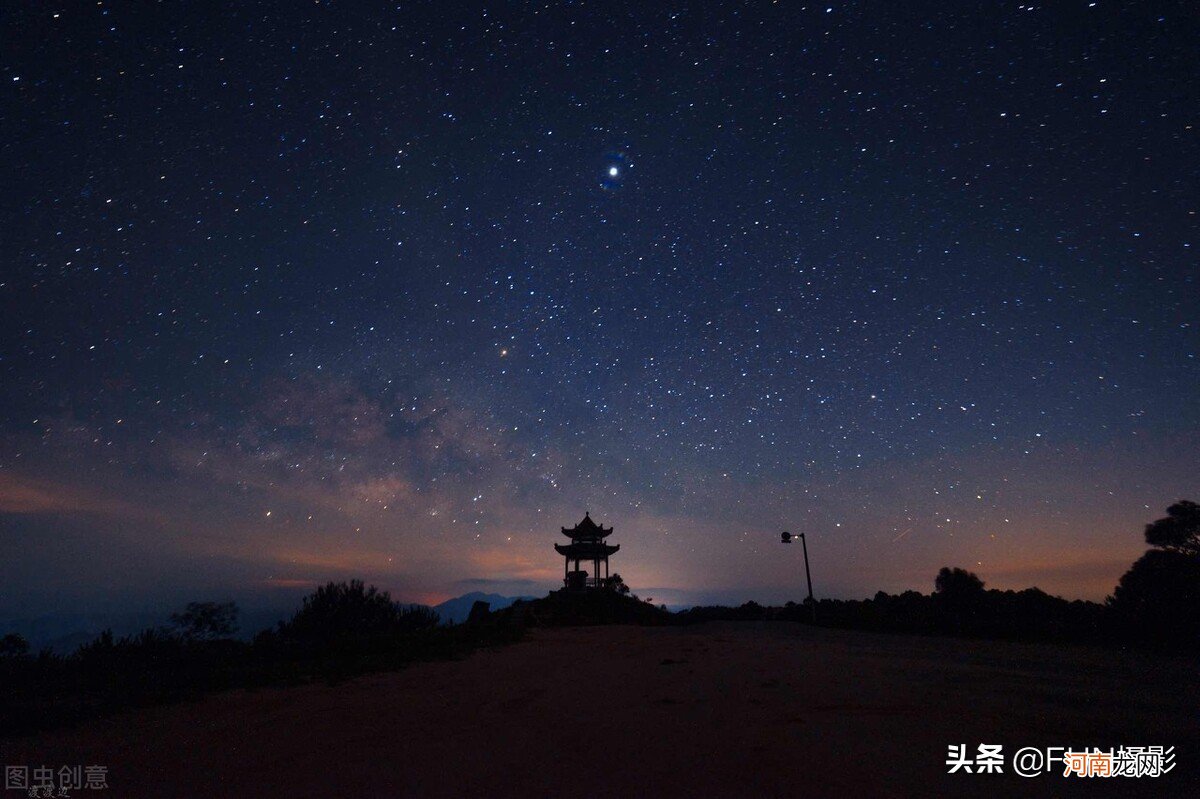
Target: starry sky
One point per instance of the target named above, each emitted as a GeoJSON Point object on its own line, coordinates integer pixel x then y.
{"type": "Point", "coordinates": [297, 292]}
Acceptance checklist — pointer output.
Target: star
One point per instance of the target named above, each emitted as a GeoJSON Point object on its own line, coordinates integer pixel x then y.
{"type": "Point", "coordinates": [707, 263]}
{"type": "Point", "coordinates": [616, 164]}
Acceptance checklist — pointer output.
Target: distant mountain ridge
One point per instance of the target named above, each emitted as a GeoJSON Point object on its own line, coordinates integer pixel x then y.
{"type": "Point", "coordinates": [456, 610]}
{"type": "Point", "coordinates": [65, 632]}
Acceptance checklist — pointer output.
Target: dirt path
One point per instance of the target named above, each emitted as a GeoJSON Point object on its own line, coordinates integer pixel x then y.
{"type": "Point", "coordinates": [712, 710]}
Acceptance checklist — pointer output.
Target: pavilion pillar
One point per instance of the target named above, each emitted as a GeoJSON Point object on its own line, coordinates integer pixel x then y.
{"type": "Point", "coordinates": [587, 543]}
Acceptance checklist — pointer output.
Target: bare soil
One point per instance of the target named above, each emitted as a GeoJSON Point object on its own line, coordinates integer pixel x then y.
{"type": "Point", "coordinates": [728, 709]}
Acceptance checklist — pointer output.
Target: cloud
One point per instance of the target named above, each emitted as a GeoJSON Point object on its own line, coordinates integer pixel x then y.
{"type": "Point", "coordinates": [31, 496]}
{"type": "Point", "coordinates": [475, 582]}
{"type": "Point", "coordinates": [320, 477]}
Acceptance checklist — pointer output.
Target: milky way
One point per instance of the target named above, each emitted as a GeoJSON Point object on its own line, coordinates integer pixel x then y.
{"type": "Point", "coordinates": [315, 291]}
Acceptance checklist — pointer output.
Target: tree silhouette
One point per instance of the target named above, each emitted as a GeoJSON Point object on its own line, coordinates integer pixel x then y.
{"type": "Point", "coordinates": [617, 584]}
{"type": "Point", "coordinates": [1159, 597]}
{"type": "Point", "coordinates": [957, 584]}
{"type": "Point", "coordinates": [1178, 531]}
{"type": "Point", "coordinates": [1160, 582]}
{"type": "Point", "coordinates": [206, 621]}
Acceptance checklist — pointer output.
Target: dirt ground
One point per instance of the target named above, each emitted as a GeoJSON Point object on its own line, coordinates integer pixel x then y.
{"type": "Point", "coordinates": [714, 710]}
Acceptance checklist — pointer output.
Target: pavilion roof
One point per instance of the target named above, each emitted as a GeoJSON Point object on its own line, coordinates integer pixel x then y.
{"type": "Point", "coordinates": [586, 530]}
{"type": "Point", "coordinates": [586, 550]}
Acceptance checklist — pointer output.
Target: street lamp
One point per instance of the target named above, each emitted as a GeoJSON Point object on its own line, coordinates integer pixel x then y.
{"type": "Point", "coordinates": [787, 538]}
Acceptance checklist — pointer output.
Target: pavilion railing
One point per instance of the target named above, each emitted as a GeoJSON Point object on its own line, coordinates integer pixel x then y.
{"type": "Point", "coordinates": [587, 582]}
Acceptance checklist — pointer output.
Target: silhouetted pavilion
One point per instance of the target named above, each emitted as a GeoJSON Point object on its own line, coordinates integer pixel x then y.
{"type": "Point", "coordinates": [587, 543]}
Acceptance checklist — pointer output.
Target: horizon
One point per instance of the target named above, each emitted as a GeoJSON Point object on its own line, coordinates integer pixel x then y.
{"type": "Point", "coordinates": [308, 295]}
{"type": "Point", "coordinates": [286, 596]}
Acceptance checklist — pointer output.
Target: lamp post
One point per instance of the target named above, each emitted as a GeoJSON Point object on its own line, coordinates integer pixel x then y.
{"type": "Point", "coordinates": [787, 538]}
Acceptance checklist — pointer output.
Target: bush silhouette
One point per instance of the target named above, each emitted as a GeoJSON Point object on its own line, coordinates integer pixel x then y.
{"type": "Point", "coordinates": [347, 611]}
{"type": "Point", "coordinates": [13, 645]}
{"type": "Point", "coordinates": [342, 629]}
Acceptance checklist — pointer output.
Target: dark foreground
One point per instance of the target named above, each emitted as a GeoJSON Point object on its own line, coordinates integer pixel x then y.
{"type": "Point", "coordinates": [723, 709]}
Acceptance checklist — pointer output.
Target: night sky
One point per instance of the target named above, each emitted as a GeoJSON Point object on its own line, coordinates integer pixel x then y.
{"type": "Point", "coordinates": [308, 291]}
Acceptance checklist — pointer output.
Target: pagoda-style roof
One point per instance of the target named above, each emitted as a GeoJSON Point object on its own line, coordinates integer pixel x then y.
{"type": "Point", "coordinates": [586, 550]}
{"type": "Point", "coordinates": [586, 530]}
